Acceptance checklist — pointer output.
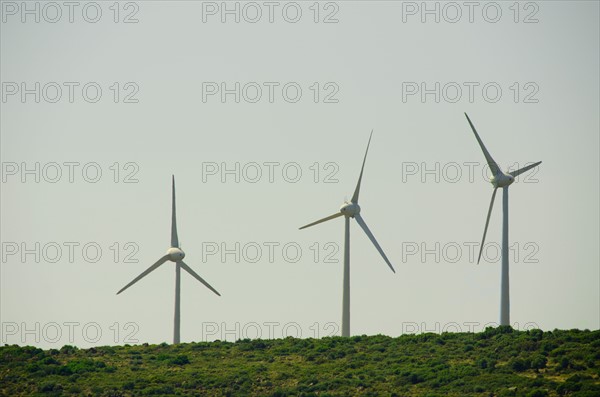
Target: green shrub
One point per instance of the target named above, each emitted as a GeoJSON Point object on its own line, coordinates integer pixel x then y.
{"type": "Point", "coordinates": [499, 362]}
{"type": "Point", "coordinates": [519, 364]}
{"type": "Point", "coordinates": [539, 362]}
{"type": "Point", "coordinates": [181, 359]}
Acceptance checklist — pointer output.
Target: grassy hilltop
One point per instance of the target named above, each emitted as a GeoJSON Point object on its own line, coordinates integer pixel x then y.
{"type": "Point", "coordinates": [496, 362]}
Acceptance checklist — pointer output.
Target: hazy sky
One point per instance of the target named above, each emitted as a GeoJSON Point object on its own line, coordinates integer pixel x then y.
{"type": "Point", "coordinates": [141, 101]}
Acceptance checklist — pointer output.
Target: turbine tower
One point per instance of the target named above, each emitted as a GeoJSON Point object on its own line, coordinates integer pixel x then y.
{"type": "Point", "coordinates": [176, 255]}
{"type": "Point", "coordinates": [352, 210]}
{"type": "Point", "coordinates": [503, 180]}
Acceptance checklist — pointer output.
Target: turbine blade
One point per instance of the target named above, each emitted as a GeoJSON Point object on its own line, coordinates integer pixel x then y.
{"type": "Point", "coordinates": [145, 273]}
{"type": "Point", "coordinates": [524, 169]}
{"type": "Point", "coordinates": [487, 222]}
{"type": "Point", "coordinates": [492, 164]}
{"type": "Point", "coordinates": [174, 238]}
{"type": "Point", "coordinates": [197, 277]}
{"type": "Point", "coordinates": [322, 220]}
{"type": "Point", "coordinates": [364, 227]}
{"type": "Point", "coordinates": [357, 190]}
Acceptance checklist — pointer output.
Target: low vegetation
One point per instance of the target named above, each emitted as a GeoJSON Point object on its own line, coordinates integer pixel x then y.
{"type": "Point", "coordinates": [496, 362]}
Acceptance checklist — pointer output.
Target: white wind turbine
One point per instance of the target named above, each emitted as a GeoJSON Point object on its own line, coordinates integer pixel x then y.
{"type": "Point", "coordinates": [174, 254]}
{"type": "Point", "coordinates": [352, 210]}
{"type": "Point", "coordinates": [503, 180]}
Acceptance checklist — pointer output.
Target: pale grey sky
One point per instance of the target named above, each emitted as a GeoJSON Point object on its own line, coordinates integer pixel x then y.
{"type": "Point", "coordinates": [372, 57]}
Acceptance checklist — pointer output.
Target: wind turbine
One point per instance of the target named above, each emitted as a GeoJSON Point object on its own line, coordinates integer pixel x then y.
{"type": "Point", "coordinates": [503, 180]}
{"type": "Point", "coordinates": [352, 210]}
{"type": "Point", "coordinates": [176, 255]}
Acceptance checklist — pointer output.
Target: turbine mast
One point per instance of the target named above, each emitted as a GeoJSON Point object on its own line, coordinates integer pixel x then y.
{"type": "Point", "coordinates": [177, 322]}
{"type": "Point", "coordinates": [504, 279]}
{"type": "Point", "coordinates": [346, 296]}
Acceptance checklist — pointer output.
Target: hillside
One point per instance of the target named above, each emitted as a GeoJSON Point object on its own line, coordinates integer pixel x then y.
{"type": "Point", "coordinates": [496, 362]}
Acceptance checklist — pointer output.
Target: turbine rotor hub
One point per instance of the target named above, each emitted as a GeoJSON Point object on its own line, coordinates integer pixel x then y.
{"type": "Point", "coordinates": [175, 254]}
{"type": "Point", "coordinates": [502, 180]}
{"type": "Point", "coordinates": [350, 209]}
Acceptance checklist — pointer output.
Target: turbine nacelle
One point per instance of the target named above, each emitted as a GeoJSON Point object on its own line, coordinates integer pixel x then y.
{"type": "Point", "coordinates": [175, 254]}
{"type": "Point", "coordinates": [501, 180]}
{"type": "Point", "coordinates": [350, 209]}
